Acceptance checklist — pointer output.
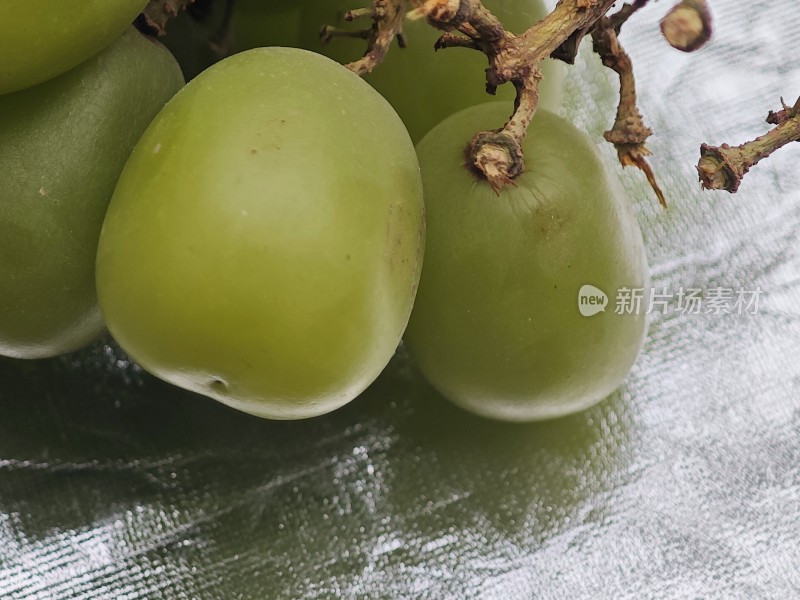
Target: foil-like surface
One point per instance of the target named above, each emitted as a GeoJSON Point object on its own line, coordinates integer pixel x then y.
{"type": "Point", "coordinates": [685, 484]}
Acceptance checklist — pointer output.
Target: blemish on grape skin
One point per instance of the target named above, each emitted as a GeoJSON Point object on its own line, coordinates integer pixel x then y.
{"type": "Point", "coordinates": [219, 385]}
{"type": "Point", "coordinates": [157, 149]}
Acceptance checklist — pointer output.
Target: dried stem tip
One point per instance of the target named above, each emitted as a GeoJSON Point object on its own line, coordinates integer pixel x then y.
{"type": "Point", "coordinates": [158, 13]}
{"type": "Point", "coordinates": [723, 167]}
{"type": "Point", "coordinates": [629, 133]}
{"type": "Point", "coordinates": [498, 155]}
{"type": "Point", "coordinates": [688, 26]}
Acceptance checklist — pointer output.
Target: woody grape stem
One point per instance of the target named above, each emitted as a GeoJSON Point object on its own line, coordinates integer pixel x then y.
{"type": "Point", "coordinates": [723, 167]}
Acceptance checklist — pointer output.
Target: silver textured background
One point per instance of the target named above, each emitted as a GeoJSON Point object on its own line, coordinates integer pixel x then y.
{"type": "Point", "coordinates": [685, 484]}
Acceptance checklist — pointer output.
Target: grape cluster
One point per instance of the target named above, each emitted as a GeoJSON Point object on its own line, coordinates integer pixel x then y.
{"type": "Point", "coordinates": [258, 235]}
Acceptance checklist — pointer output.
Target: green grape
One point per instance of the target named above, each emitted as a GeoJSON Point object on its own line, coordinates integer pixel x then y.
{"type": "Point", "coordinates": [496, 326]}
{"type": "Point", "coordinates": [259, 23]}
{"type": "Point", "coordinates": [40, 39]}
{"type": "Point", "coordinates": [263, 245]}
{"type": "Point", "coordinates": [63, 146]}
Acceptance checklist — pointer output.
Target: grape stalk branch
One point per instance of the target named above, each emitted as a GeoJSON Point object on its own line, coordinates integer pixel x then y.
{"type": "Point", "coordinates": [517, 59]}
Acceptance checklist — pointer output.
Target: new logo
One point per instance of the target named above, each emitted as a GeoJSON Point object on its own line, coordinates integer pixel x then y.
{"type": "Point", "coordinates": [591, 300]}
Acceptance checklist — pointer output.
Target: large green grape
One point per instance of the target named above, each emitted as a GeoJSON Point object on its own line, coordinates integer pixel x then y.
{"type": "Point", "coordinates": [426, 86]}
{"type": "Point", "coordinates": [264, 242]}
{"type": "Point", "coordinates": [63, 145]}
{"type": "Point", "coordinates": [40, 39]}
{"type": "Point", "coordinates": [496, 326]}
